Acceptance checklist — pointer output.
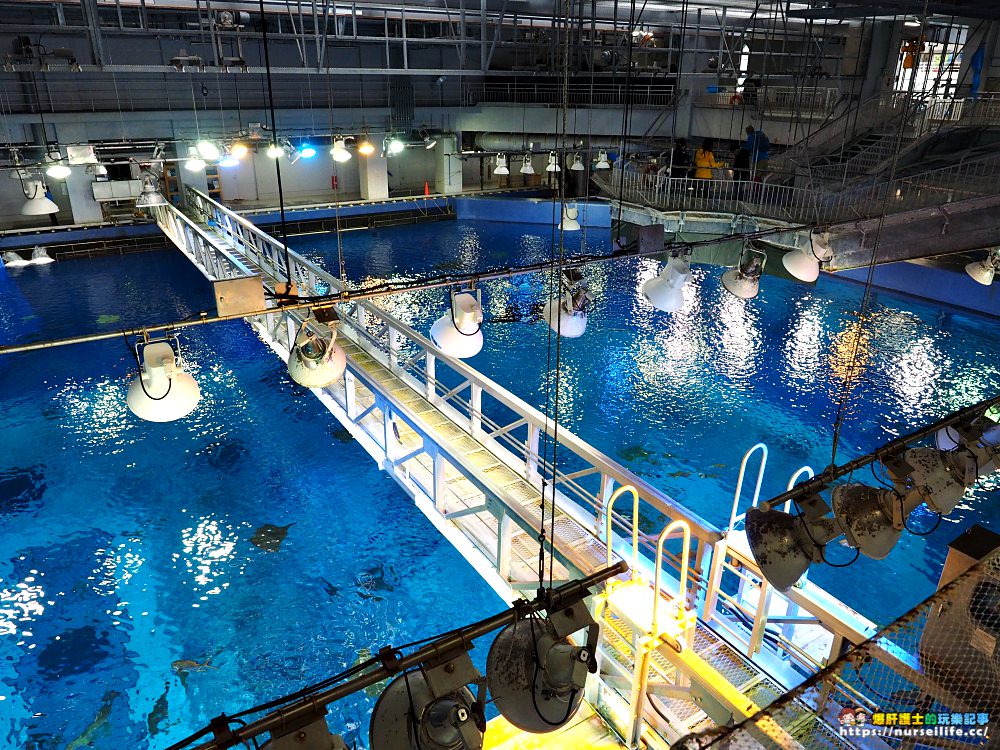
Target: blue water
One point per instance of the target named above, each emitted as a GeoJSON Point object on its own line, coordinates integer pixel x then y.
{"type": "Point", "coordinates": [680, 397]}
{"type": "Point", "coordinates": [125, 545]}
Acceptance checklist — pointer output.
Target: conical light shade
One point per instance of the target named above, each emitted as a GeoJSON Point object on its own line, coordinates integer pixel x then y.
{"type": "Point", "coordinates": [865, 515]}
{"type": "Point", "coordinates": [744, 287]}
{"type": "Point", "coordinates": [40, 256]}
{"type": "Point", "coordinates": [339, 151]}
{"type": "Point", "coordinates": [38, 204]}
{"type": "Point", "coordinates": [56, 169]}
{"type": "Point", "coordinates": [315, 361]}
{"type": "Point", "coordinates": [570, 219]}
{"type": "Point", "coordinates": [501, 165]}
{"type": "Point", "coordinates": [821, 246]}
{"type": "Point", "coordinates": [163, 391]}
{"type": "Point", "coordinates": [981, 271]}
{"type": "Point", "coordinates": [150, 196]}
{"type": "Point", "coordinates": [602, 160]}
{"type": "Point", "coordinates": [553, 165]}
{"type": "Point", "coordinates": [570, 324]}
{"type": "Point", "coordinates": [801, 264]}
{"type": "Point", "coordinates": [463, 336]}
{"type": "Point", "coordinates": [666, 290]}
{"type": "Point", "coordinates": [933, 477]}
{"type": "Point", "coordinates": [526, 166]}
{"type": "Point", "coordinates": [577, 165]}
{"type": "Point", "coordinates": [779, 545]}
{"type": "Point", "coordinates": [208, 150]}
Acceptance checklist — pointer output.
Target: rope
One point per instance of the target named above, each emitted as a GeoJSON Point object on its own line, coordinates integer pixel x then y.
{"type": "Point", "coordinates": [847, 385]}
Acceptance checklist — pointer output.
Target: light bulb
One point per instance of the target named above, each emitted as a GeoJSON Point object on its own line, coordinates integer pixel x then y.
{"type": "Point", "coordinates": [239, 150]}
{"type": "Point", "coordinates": [365, 148]}
{"type": "Point", "coordinates": [208, 151]}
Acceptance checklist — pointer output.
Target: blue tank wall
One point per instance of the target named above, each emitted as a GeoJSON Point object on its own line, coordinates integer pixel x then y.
{"type": "Point", "coordinates": [530, 211]}
{"type": "Point", "coordinates": [949, 286]}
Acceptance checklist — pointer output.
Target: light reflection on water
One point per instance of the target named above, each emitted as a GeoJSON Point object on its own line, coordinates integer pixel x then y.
{"type": "Point", "coordinates": [679, 397]}
{"type": "Point", "coordinates": [125, 547]}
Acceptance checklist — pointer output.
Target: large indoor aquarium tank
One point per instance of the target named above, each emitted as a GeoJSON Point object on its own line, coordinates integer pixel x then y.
{"type": "Point", "coordinates": [680, 397]}
{"type": "Point", "coordinates": [156, 575]}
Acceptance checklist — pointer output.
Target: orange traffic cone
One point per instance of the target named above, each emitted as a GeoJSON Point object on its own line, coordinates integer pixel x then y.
{"type": "Point", "coordinates": [427, 189]}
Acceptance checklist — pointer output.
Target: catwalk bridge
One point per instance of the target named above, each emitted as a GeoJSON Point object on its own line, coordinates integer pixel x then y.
{"type": "Point", "coordinates": [721, 643]}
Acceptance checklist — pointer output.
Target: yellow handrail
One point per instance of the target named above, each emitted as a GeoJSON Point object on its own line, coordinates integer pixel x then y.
{"type": "Point", "coordinates": [635, 525]}
{"type": "Point", "coordinates": [682, 597]}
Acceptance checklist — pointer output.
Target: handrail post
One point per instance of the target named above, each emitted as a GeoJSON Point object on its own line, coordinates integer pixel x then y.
{"type": "Point", "coordinates": [739, 482]}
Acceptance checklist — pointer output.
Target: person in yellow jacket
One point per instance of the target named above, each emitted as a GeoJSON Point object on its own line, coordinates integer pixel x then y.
{"type": "Point", "coordinates": [704, 160]}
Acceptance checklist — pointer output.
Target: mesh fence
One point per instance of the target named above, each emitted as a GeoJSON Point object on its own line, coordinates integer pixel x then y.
{"type": "Point", "coordinates": [930, 679]}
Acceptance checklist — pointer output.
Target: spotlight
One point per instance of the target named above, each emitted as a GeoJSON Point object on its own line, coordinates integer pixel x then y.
{"type": "Point", "coordinates": [208, 151]}
{"type": "Point", "coordinates": [526, 165]}
{"type": "Point", "coordinates": [939, 478]}
{"type": "Point", "coordinates": [567, 315]}
{"type": "Point", "coordinates": [429, 142]}
{"type": "Point", "coordinates": [365, 148]}
{"type": "Point", "coordinates": [980, 438]}
{"type": "Point", "coordinates": [743, 281]}
{"type": "Point", "coordinates": [150, 195]}
{"type": "Point", "coordinates": [785, 545]}
{"type": "Point", "coordinates": [665, 291]}
{"type": "Point", "coordinates": [602, 160]}
{"type": "Point", "coordinates": [553, 165]}
{"type": "Point", "coordinates": [339, 151]}
{"type": "Point", "coordinates": [577, 165]}
{"type": "Point", "coordinates": [56, 169]}
{"type": "Point", "coordinates": [536, 675]}
{"type": "Point", "coordinates": [394, 146]}
{"type": "Point", "coordinates": [459, 332]}
{"type": "Point", "coordinates": [37, 203]}
{"type": "Point", "coordinates": [501, 165]}
{"type": "Point", "coordinates": [430, 708]}
{"type": "Point", "coordinates": [308, 151]}
{"type": "Point", "coordinates": [872, 519]}
{"type": "Point", "coordinates": [804, 263]}
{"type": "Point", "coordinates": [239, 150]}
{"type": "Point", "coordinates": [570, 218]}
{"type": "Point", "coordinates": [274, 151]}
{"type": "Point", "coordinates": [316, 361]}
{"type": "Point", "coordinates": [194, 162]}
{"type": "Point", "coordinates": [229, 159]}
{"type": "Point", "coordinates": [983, 271]}
{"type": "Point", "coordinates": [162, 391]}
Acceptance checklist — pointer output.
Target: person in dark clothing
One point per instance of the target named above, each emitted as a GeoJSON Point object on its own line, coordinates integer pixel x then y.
{"type": "Point", "coordinates": [741, 168]}
{"type": "Point", "coordinates": [681, 164]}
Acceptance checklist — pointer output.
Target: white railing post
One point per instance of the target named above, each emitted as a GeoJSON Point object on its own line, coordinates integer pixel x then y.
{"type": "Point", "coordinates": [430, 386]}
{"type": "Point", "coordinates": [476, 409]}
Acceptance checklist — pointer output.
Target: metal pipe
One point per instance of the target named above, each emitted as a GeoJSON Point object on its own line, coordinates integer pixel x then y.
{"type": "Point", "coordinates": [389, 288]}
{"type": "Point", "coordinates": [820, 481]}
{"type": "Point", "coordinates": [635, 525]}
{"type": "Point", "coordinates": [553, 601]}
